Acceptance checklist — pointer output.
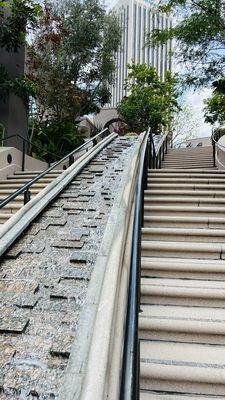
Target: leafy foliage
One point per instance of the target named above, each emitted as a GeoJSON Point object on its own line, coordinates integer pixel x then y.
{"type": "Point", "coordinates": [71, 60]}
{"type": "Point", "coordinates": [215, 105]}
{"type": "Point", "coordinates": [200, 38]}
{"type": "Point", "coordinates": [56, 138]}
{"type": "Point", "coordinates": [151, 102]}
{"type": "Point", "coordinates": [15, 19]}
{"type": "Point", "coordinates": [14, 24]}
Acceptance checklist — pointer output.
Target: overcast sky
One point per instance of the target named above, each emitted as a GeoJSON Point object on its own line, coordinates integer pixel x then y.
{"type": "Point", "coordinates": [195, 100]}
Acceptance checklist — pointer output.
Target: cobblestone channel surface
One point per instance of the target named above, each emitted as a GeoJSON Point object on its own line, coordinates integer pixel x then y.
{"type": "Point", "coordinates": [44, 279]}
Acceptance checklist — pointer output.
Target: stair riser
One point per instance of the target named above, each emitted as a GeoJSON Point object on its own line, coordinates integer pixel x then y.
{"type": "Point", "coordinates": [3, 220]}
{"type": "Point", "coordinates": [172, 202]}
{"type": "Point", "coordinates": [188, 166]}
{"type": "Point", "coordinates": [31, 176]}
{"type": "Point", "coordinates": [179, 253]}
{"type": "Point", "coordinates": [152, 383]}
{"type": "Point", "coordinates": [185, 213]}
{"type": "Point", "coordinates": [185, 181]}
{"type": "Point", "coordinates": [181, 301]}
{"type": "Point", "coordinates": [23, 181]}
{"type": "Point", "coordinates": [195, 160]}
{"type": "Point", "coordinates": [186, 186]}
{"type": "Point", "coordinates": [184, 177]}
{"type": "Point", "coordinates": [192, 163]}
{"type": "Point", "coordinates": [175, 224]}
{"type": "Point", "coordinates": [184, 202]}
{"type": "Point", "coordinates": [183, 238]}
{"type": "Point", "coordinates": [147, 273]}
{"type": "Point", "coordinates": [13, 187]}
{"type": "Point", "coordinates": [187, 193]}
{"type": "Point", "coordinates": [9, 210]}
{"type": "Point", "coordinates": [153, 332]}
{"type": "Point", "coordinates": [190, 171]}
{"type": "Point", "coordinates": [183, 224]}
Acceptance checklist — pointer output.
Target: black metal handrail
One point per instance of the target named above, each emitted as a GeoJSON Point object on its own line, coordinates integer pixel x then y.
{"type": "Point", "coordinates": [150, 158]}
{"type": "Point", "coordinates": [32, 144]}
{"type": "Point", "coordinates": [24, 141]}
{"type": "Point", "coordinates": [70, 157]}
{"type": "Point", "coordinates": [157, 155]}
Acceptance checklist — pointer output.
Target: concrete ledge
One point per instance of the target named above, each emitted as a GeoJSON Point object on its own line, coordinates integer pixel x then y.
{"type": "Point", "coordinates": [13, 228]}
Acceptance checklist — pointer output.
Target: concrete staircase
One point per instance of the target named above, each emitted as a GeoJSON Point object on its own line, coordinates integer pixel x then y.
{"type": "Point", "coordinates": [14, 182]}
{"type": "Point", "coordinates": [198, 157]}
{"type": "Point", "coordinates": [182, 319]}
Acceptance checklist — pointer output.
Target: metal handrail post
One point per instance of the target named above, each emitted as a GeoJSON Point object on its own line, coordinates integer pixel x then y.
{"type": "Point", "coordinates": [26, 196]}
{"type": "Point", "coordinates": [150, 154]}
{"type": "Point", "coordinates": [23, 155]}
{"type": "Point", "coordinates": [214, 153]}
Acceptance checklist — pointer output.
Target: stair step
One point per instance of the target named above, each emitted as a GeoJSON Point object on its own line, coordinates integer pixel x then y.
{"type": "Point", "coordinates": [195, 158]}
{"type": "Point", "coordinates": [188, 150]}
{"type": "Point", "coordinates": [15, 186]}
{"type": "Point", "coordinates": [4, 217]}
{"type": "Point", "coordinates": [184, 200]}
{"type": "Point", "coordinates": [182, 324]}
{"type": "Point", "coordinates": [184, 222]}
{"type": "Point", "coordinates": [182, 367]}
{"type": "Point", "coordinates": [31, 176]}
{"type": "Point", "coordinates": [187, 171]}
{"type": "Point", "coordinates": [23, 180]}
{"type": "Point", "coordinates": [180, 186]}
{"type": "Point", "coordinates": [11, 208]}
{"type": "Point", "coordinates": [183, 168]}
{"type": "Point", "coordinates": [162, 174]}
{"type": "Point", "coordinates": [183, 250]}
{"type": "Point", "coordinates": [59, 171]}
{"type": "Point", "coordinates": [151, 395]}
{"type": "Point", "coordinates": [184, 211]}
{"type": "Point", "coordinates": [183, 235]}
{"type": "Point", "coordinates": [182, 160]}
{"type": "Point", "coordinates": [181, 330]}
{"type": "Point", "coordinates": [201, 193]}
{"type": "Point", "coordinates": [183, 292]}
{"type": "Point", "coordinates": [185, 180]}
{"type": "Point", "coordinates": [6, 192]}
{"type": "Point", "coordinates": [153, 267]}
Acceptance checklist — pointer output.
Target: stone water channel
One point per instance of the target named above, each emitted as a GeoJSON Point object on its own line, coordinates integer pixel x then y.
{"type": "Point", "coordinates": [44, 278]}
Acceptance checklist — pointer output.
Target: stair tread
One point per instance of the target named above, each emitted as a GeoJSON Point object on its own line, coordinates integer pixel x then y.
{"type": "Point", "coordinates": [185, 355]}
{"type": "Point", "coordinates": [150, 395]}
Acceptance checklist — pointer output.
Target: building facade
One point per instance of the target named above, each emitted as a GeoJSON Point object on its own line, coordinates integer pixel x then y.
{"type": "Point", "coordinates": [137, 18]}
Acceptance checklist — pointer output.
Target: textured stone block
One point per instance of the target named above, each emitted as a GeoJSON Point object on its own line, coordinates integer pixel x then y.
{"type": "Point", "coordinates": [7, 351]}
{"type": "Point", "coordinates": [13, 324]}
{"type": "Point", "coordinates": [61, 345]}
{"type": "Point", "coordinates": [67, 244]}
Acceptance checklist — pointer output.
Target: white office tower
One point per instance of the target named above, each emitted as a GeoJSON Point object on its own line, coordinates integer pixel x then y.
{"type": "Point", "coordinates": [138, 18]}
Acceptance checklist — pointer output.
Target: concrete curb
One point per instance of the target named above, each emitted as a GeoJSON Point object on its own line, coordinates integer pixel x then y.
{"type": "Point", "coordinates": [13, 228]}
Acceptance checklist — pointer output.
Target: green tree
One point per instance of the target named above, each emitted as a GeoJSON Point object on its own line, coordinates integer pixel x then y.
{"type": "Point", "coordinates": [200, 38]}
{"type": "Point", "coordinates": [72, 59]}
{"type": "Point", "coordinates": [57, 138]}
{"type": "Point", "coordinates": [16, 17]}
{"type": "Point", "coordinates": [151, 102]}
{"type": "Point", "coordinates": [215, 105]}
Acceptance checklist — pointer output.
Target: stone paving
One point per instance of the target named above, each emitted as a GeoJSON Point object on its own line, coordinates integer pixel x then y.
{"type": "Point", "coordinates": [44, 279]}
